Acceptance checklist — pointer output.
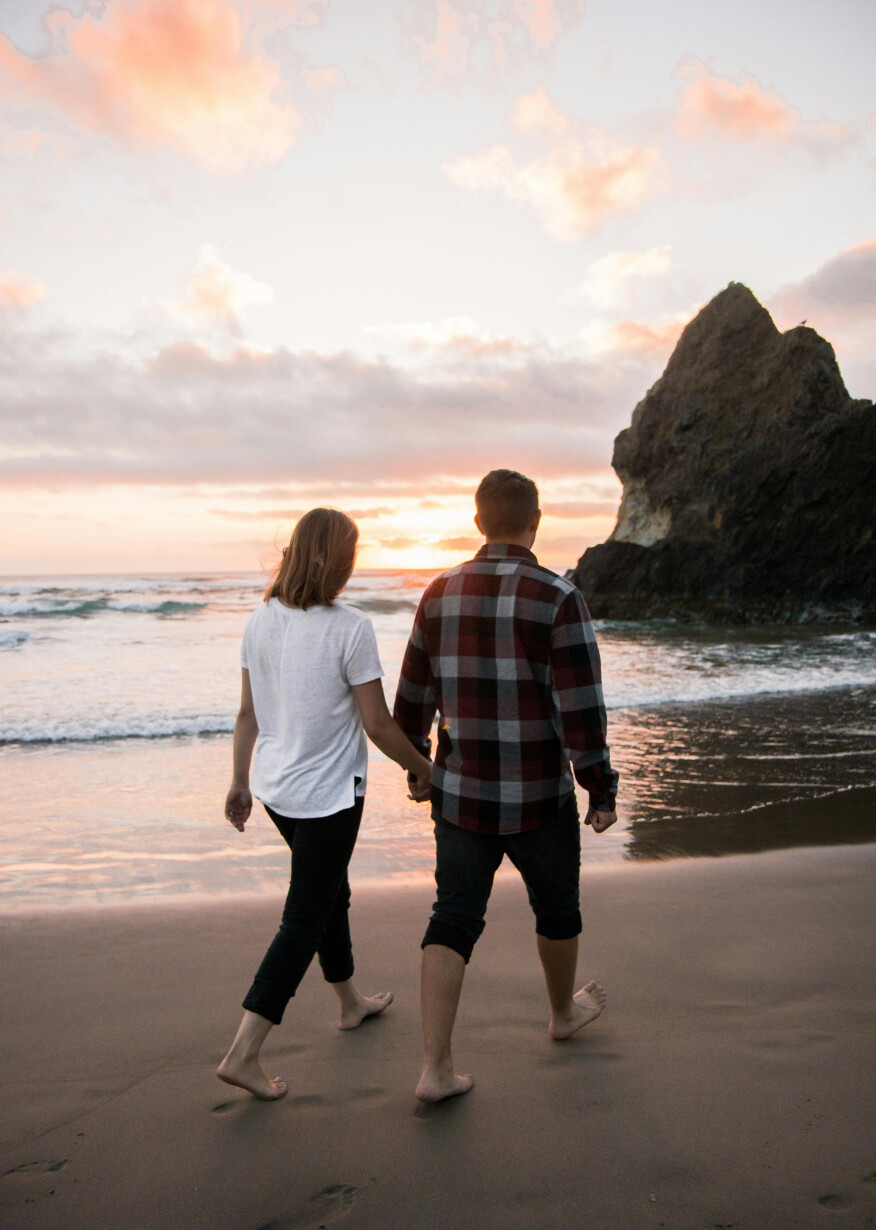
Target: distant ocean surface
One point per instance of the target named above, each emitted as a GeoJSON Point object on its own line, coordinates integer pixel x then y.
{"type": "Point", "coordinates": [126, 682]}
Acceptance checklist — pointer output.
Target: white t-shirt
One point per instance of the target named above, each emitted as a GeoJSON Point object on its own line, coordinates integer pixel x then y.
{"type": "Point", "coordinates": [302, 668]}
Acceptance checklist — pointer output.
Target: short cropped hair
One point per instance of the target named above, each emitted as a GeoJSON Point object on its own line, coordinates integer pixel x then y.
{"type": "Point", "coordinates": [506, 502]}
{"type": "Point", "coordinates": [318, 561]}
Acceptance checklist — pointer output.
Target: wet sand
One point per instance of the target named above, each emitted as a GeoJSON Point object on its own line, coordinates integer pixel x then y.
{"type": "Point", "coordinates": [729, 1083]}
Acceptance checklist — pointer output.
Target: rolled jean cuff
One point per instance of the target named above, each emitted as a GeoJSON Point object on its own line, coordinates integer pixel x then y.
{"type": "Point", "coordinates": [342, 972]}
{"type": "Point", "coordinates": [448, 936]}
{"type": "Point", "coordinates": [263, 999]}
{"type": "Point", "coordinates": [563, 928]}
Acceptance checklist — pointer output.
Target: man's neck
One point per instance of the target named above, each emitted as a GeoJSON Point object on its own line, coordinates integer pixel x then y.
{"type": "Point", "coordinates": [526, 541]}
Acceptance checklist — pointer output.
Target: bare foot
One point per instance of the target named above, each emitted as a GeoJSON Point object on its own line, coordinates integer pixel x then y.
{"type": "Point", "coordinates": [250, 1075]}
{"type": "Point", "coordinates": [435, 1086]}
{"type": "Point", "coordinates": [352, 1015]}
{"type": "Point", "coordinates": [587, 1005]}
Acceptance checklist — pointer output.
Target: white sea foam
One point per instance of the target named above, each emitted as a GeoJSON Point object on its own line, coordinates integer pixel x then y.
{"type": "Point", "coordinates": [12, 638]}
{"type": "Point", "coordinates": [86, 731]}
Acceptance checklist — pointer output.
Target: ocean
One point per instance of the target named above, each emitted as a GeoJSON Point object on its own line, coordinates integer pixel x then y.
{"type": "Point", "coordinates": [120, 693]}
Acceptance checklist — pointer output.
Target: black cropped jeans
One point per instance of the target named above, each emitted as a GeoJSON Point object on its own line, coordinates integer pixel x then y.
{"type": "Point", "coordinates": [316, 915]}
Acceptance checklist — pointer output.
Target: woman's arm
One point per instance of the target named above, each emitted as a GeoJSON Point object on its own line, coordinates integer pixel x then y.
{"type": "Point", "coordinates": [238, 803]}
{"type": "Point", "coordinates": [385, 734]}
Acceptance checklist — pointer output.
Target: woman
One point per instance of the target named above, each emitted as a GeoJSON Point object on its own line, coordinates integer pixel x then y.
{"type": "Point", "coordinates": [310, 685]}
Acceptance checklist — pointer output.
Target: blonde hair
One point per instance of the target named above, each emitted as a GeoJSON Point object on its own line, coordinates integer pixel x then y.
{"type": "Point", "coordinates": [318, 561]}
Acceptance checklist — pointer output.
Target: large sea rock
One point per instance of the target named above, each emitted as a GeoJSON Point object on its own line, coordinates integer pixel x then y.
{"type": "Point", "coordinates": [749, 483]}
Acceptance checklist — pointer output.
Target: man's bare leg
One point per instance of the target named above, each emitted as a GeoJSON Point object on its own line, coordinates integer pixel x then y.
{"type": "Point", "coordinates": [569, 1012]}
{"type": "Point", "coordinates": [241, 1065]}
{"type": "Point", "coordinates": [440, 986]}
{"type": "Point", "coordinates": [355, 1007]}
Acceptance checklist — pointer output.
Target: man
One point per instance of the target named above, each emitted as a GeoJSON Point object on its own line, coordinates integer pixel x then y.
{"type": "Point", "coordinates": [503, 650]}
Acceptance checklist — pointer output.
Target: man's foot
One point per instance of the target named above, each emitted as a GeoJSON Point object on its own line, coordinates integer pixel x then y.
{"type": "Point", "coordinates": [352, 1015]}
{"type": "Point", "coordinates": [436, 1086]}
{"type": "Point", "coordinates": [250, 1075]}
{"type": "Point", "coordinates": [587, 1004]}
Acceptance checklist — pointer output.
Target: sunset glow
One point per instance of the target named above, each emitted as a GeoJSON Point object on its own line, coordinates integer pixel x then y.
{"type": "Point", "coordinates": [259, 255]}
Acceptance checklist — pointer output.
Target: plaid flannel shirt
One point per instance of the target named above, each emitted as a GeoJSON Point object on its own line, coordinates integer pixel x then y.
{"type": "Point", "coordinates": [504, 651]}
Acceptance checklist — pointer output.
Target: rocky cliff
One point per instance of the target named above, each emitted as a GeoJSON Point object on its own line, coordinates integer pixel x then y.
{"type": "Point", "coordinates": [749, 482]}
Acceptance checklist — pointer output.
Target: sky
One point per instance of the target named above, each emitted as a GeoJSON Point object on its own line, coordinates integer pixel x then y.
{"type": "Point", "coordinates": [261, 255]}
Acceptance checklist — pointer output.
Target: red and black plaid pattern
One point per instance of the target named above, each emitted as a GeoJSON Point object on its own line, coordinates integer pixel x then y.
{"type": "Point", "coordinates": [504, 651]}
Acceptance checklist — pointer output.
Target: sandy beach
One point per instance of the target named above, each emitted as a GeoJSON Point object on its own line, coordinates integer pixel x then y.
{"type": "Point", "coordinates": [729, 1084]}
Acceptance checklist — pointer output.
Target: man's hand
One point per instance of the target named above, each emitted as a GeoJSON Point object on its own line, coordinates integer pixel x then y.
{"type": "Point", "coordinates": [238, 805]}
{"type": "Point", "coordinates": [418, 787]}
{"type": "Point", "coordinates": [599, 821]}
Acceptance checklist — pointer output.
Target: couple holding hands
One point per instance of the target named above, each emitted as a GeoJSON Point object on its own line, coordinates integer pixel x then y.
{"type": "Point", "coordinates": [503, 651]}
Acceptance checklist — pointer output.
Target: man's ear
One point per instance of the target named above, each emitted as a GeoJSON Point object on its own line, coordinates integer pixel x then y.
{"type": "Point", "coordinates": [477, 522]}
{"type": "Point", "coordinates": [534, 523]}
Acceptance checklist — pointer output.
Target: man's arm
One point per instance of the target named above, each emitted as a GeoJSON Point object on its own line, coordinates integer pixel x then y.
{"type": "Point", "coordinates": [415, 703]}
{"type": "Point", "coordinates": [580, 709]}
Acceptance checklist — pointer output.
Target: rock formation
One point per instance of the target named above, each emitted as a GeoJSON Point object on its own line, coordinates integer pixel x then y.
{"type": "Point", "coordinates": [749, 483]}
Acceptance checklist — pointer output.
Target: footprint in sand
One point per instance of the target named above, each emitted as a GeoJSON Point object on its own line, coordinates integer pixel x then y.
{"type": "Point", "coordinates": [322, 1209]}
{"type": "Point", "coordinates": [300, 1100]}
{"type": "Point", "coordinates": [41, 1167]}
{"type": "Point", "coordinates": [837, 1200]}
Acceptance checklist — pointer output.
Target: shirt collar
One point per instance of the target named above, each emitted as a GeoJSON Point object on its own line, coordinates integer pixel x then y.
{"type": "Point", "coordinates": [504, 550]}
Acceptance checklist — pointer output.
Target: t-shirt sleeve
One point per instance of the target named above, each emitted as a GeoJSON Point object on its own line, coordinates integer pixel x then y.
{"type": "Point", "coordinates": [245, 643]}
{"type": "Point", "coordinates": [362, 663]}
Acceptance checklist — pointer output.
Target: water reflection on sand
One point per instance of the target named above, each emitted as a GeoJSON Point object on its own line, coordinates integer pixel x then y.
{"type": "Point", "coordinates": [135, 819]}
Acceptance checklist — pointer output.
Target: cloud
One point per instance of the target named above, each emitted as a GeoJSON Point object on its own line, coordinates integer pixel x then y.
{"type": "Point", "coordinates": [213, 292]}
{"type": "Point", "coordinates": [402, 544]}
{"type": "Point", "coordinates": [459, 544]}
{"type": "Point", "coordinates": [839, 296]}
{"type": "Point", "coordinates": [578, 509]}
{"type": "Point", "coordinates": [579, 180]}
{"type": "Point", "coordinates": [717, 108]}
{"type": "Point", "coordinates": [607, 280]}
{"type": "Point", "coordinates": [18, 291]}
{"type": "Point", "coordinates": [458, 334]}
{"type": "Point", "coordinates": [477, 40]}
{"type": "Point", "coordinates": [184, 415]}
{"type": "Point", "coordinates": [188, 75]}
{"type": "Point", "coordinates": [656, 337]}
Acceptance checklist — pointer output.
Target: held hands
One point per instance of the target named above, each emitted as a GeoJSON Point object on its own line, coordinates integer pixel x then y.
{"type": "Point", "coordinates": [238, 805]}
{"type": "Point", "coordinates": [418, 784]}
{"type": "Point", "coordinates": [599, 821]}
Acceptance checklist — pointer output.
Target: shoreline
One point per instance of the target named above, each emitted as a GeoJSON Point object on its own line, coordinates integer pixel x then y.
{"type": "Point", "coordinates": [730, 1080]}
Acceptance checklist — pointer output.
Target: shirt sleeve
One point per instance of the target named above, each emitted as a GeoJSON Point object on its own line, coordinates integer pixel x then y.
{"type": "Point", "coordinates": [579, 707]}
{"type": "Point", "coordinates": [415, 703]}
{"type": "Point", "coordinates": [244, 645]}
{"type": "Point", "coordinates": [362, 663]}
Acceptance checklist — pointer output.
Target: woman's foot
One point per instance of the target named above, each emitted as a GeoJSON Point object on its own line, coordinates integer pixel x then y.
{"type": "Point", "coordinates": [355, 1008]}
{"type": "Point", "coordinates": [587, 1004]}
{"type": "Point", "coordinates": [249, 1074]}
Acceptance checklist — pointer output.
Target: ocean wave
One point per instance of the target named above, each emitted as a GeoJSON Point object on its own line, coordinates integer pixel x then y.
{"type": "Point", "coordinates": [41, 606]}
{"type": "Point", "coordinates": [85, 731]}
{"type": "Point", "coordinates": [753, 683]}
{"type": "Point", "coordinates": [11, 638]}
{"type": "Point", "coordinates": [167, 607]}
{"type": "Point", "coordinates": [47, 608]}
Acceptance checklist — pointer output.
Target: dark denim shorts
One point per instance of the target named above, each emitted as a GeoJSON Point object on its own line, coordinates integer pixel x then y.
{"type": "Point", "coordinates": [548, 859]}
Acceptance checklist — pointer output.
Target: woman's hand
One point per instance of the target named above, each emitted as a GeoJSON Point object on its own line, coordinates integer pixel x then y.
{"type": "Point", "coordinates": [418, 786]}
{"type": "Point", "coordinates": [238, 805]}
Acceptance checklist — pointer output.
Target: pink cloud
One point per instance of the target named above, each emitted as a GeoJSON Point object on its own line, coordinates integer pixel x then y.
{"type": "Point", "coordinates": [579, 180]}
{"type": "Point", "coordinates": [476, 39]}
{"type": "Point", "coordinates": [18, 291]}
{"type": "Point", "coordinates": [214, 292]}
{"type": "Point", "coordinates": [717, 108]}
{"type": "Point", "coordinates": [174, 73]}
